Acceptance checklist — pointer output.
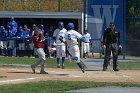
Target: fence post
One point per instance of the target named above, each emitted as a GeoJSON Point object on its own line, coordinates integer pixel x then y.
{"type": "Point", "coordinates": [59, 5]}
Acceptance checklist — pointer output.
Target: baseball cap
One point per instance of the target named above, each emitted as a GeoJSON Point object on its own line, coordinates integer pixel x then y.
{"type": "Point", "coordinates": [112, 24]}
{"type": "Point", "coordinates": [34, 24]}
{"type": "Point", "coordinates": [12, 17]}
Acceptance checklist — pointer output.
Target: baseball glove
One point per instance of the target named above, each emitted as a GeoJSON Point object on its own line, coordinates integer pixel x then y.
{"type": "Point", "coordinates": [119, 51]}
{"type": "Point", "coordinates": [51, 50]}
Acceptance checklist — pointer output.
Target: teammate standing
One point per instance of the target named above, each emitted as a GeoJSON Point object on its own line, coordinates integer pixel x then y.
{"type": "Point", "coordinates": [60, 46]}
{"type": "Point", "coordinates": [21, 34]}
{"type": "Point", "coordinates": [12, 22]}
{"type": "Point", "coordinates": [111, 42]}
{"type": "Point", "coordinates": [3, 36]}
{"type": "Point", "coordinates": [70, 39]}
{"type": "Point", "coordinates": [38, 45]}
{"type": "Point", "coordinates": [86, 38]}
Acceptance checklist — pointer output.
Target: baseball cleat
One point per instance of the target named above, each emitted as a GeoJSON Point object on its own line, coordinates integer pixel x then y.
{"type": "Point", "coordinates": [58, 66]}
{"type": "Point", "coordinates": [43, 72]}
{"type": "Point", "coordinates": [83, 70]}
{"type": "Point", "coordinates": [116, 69]}
{"type": "Point", "coordinates": [63, 67]}
{"type": "Point", "coordinates": [33, 68]}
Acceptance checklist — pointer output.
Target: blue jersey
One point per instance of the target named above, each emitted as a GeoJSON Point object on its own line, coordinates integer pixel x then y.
{"type": "Point", "coordinates": [10, 23]}
{"type": "Point", "coordinates": [21, 35]}
{"type": "Point", "coordinates": [4, 35]}
{"type": "Point", "coordinates": [13, 32]}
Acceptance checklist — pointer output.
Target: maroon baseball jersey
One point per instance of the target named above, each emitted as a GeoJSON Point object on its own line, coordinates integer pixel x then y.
{"type": "Point", "coordinates": [37, 44]}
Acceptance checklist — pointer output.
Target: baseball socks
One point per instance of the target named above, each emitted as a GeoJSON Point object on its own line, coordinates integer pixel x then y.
{"type": "Point", "coordinates": [58, 62]}
{"type": "Point", "coordinates": [63, 61]}
{"type": "Point", "coordinates": [81, 67]}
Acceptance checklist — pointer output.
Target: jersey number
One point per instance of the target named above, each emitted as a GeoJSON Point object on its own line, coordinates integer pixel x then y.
{"type": "Point", "coordinates": [69, 36]}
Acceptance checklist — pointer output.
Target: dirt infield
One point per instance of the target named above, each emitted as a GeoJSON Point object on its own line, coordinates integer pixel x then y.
{"type": "Point", "coordinates": [20, 75]}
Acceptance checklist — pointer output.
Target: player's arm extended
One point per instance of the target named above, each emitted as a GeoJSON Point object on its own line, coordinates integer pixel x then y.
{"type": "Point", "coordinates": [62, 40]}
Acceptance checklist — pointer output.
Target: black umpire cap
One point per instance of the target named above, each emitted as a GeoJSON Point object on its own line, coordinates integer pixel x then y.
{"type": "Point", "coordinates": [112, 24]}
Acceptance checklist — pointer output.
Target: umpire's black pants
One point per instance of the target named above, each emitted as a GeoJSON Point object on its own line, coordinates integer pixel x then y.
{"type": "Point", "coordinates": [112, 47]}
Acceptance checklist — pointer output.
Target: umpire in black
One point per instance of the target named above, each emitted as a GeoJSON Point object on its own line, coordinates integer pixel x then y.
{"type": "Point", "coordinates": [111, 43]}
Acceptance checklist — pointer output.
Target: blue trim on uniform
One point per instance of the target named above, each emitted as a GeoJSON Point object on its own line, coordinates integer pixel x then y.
{"type": "Point", "coordinates": [80, 66]}
{"type": "Point", "coordinates": [58, 61]}
{"type": "Point", "coordinates": [63, 60]}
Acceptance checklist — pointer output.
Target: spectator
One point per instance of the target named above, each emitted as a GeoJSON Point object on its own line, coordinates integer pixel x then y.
{"type": "Point", "coordinates": [12, 22]}
{"type": "Point", "coordinates": [50, 35]}
{"type": "Point", "coordinates": [12, 43]}
{"type": "Point", "coordinates": [21, 34]}
{"type": "Point", "coordinates": [4, 35]}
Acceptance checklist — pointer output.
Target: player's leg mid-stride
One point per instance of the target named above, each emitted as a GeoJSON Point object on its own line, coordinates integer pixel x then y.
{"type": "Point", "coordinates": [81, 66]}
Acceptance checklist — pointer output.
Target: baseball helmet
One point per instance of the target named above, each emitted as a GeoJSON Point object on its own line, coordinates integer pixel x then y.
{"type": "Point", "coordinates": [61, 24]}
{"type": "Point", "coordinates": [70, 26]}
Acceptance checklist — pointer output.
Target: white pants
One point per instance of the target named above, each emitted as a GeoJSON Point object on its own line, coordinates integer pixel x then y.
{"type": "Point", "coordinates": [74, 51]}
{"type": "Point", "coordinates": [1, 45]}
{"type": "Point", "coordinates": [86, 47]}
{"type": "Point", "coordinates": [5, 44]}
{"type": "Point", "coordinates": [61, 51]}
{"type": "Point", "coordinates": [41, 54]}
{"type": "Point", "coordinates": [21, 46]}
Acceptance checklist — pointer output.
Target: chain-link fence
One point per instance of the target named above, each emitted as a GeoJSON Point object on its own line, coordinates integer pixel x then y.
{"type": "Point", "coordinates": [41, 5]}
{"type": "Point", "coordinates": [132, 36]}
{"type": "Point", "coordinates": [132, 28]}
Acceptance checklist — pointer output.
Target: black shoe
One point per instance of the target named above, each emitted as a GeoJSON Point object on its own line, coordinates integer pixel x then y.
{"type": "Point", "coordinates": [62, 67]}
{"type": "Point", "coordinates": [104, 68]}
{"type": "Point", "coordinates": [33, 68]}
{"type": "Point", "coordinates": [116, 69]}
{"type": "Point", "coordinates": [83, 70]}
{"type": "Point", "coordinates": [43, 72]}
{"type": "Point", "coordinates": [58, 66]}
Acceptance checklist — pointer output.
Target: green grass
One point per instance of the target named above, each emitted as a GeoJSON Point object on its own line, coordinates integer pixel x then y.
{"type": "Point", "coordinates": [129, 65]}
{"type": "Point", "coordinates": [57, 86]}
{"type": "Point", "coordinates": [51, 62]}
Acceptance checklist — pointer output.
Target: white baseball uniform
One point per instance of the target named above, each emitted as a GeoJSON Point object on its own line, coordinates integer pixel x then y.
{"type": "Point", "coordinates": [60, 46]}
{"type": "Point", "coordinates": [86, 38]}
{"type": "Point", "coordinates": [71, 37]}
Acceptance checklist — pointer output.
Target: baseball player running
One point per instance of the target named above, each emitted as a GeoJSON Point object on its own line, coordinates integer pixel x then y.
{"type": "Point", "coordinates": [60, 46]}
{"type": "Point", "coordinates": [70, 39]}
{"type": "Point", "coordinates": [38, 45]}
